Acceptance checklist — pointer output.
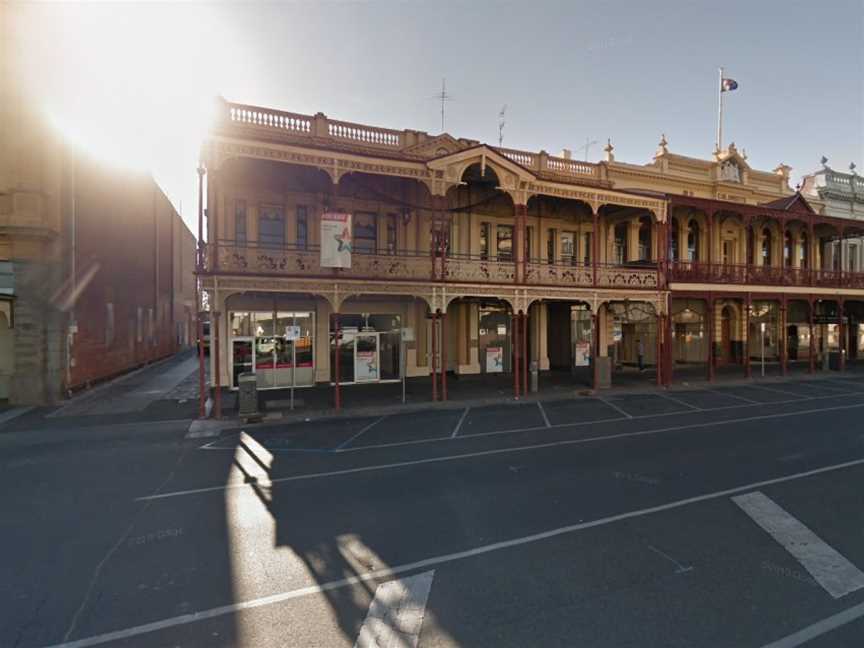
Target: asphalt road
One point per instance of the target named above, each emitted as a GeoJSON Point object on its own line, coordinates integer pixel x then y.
{"type": "Point", "coordinates": [619, 521]}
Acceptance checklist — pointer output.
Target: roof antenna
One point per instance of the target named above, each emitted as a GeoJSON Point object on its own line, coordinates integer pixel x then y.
{"type": "Point", "coordinates": [443, 97]}
{"type": "Point", "coordinates": [501, 124]}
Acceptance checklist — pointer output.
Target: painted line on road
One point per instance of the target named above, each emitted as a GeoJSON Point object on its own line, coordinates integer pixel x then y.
{"type": "Point", "coordinates": [360, 433]}
{"type": "Point", "coordinates": [819, 628]}
{"type": "Point", "coordinates": [543, 414]}
{"type": "Point", "coordinates": [831, 569]}
{"type": "Point", "coordinates": [680, 402]}
{"type": "Point", "coordinates": [396, 613]}
{"type": "Point", "coordinates": [427, 563]}
{"type": "Point", "coordinates": [475, 435]}
{"type": "Point", "coordinates": [615, 407]}
{"type": "Point", "coordinates": [496, 451]}
{"type": "Point", "coordinates": [775, 390]}
{"type": "Point", "coordinates": [459, 424]}
{"type": "Point", "coordinates": [731, 395]}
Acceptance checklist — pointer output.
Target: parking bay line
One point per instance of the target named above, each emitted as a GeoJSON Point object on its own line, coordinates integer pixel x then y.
{"type": "Point", "coordinates": [543, 414]}
{"type": "Point", "coordinates": [617, 419]}
{"type": "Point", "coordinates": [680, 402]}
{"type": "Point", "coordinates": [426, 563]}
{"type": "Point", "coordinates": [615, 407]}
{"type": "Point", "coordinates": [819, 628]}
{"type": "Point", "coordinates": [495, 451]}
{"type": "Point", "coordinates": [826, 565]}
{"type": "Point", "coordinates": [365, 429]}
{"type": "Point", "coordinates": [459, 424]}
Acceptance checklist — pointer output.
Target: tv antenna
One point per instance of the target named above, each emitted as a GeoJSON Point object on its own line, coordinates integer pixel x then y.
{"type": "Point", "coordinates": [586, 147]}
{"type": "Point", "coordinates": [501, 124]}
{"type": "Point", "coordinates": [443, 97]}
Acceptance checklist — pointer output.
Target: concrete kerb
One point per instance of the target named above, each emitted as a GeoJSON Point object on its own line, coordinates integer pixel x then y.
{"type": "Point", "coordinates": [209, 428]}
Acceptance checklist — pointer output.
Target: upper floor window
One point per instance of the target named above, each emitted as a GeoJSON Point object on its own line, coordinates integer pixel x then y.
{"type": "Point", "coordinates": [365, 233]}
{"type": "Point", "coordinates": [392, 233]}
{"type": "Point", "coordinates": [788, 249]}
{"type": "Point", "coordinates": [484, 240]}
{"type": "Point", "coordinates": [620, 243]}
{"type": "Point", "coordinates": [766, 247]}
{"type": "Point", "coordinates": [550, 246]}
{"type": "Point", "coordinates": [240, 221]}
{"type": "Point", "coordinates": [673, 240]}
{"type": "Point", "coordinates": [271, 226]}
{"type": "Point", "coordinates": [586, 247]}
{"type": "Point", "coordinates": [568, 247]}
{"type": "Point", "coordinates": [693, 241]}
{"type": "Point", "coordinates": [645, 238]}
{"type": "Point", "coordinates": [853, 257]}
{"type": "Point", "coordinates": [505, 242]}
{"type": "Point", "coordinates": [302, 227]}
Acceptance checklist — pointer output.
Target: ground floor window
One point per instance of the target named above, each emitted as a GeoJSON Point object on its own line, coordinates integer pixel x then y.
{"type": "Point", "coordinates": [369, 348]}
{"type": "Point", "coordinates": [277, 346]}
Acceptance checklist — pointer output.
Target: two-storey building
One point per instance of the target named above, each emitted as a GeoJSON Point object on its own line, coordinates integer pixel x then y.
{"type": "Point", "coordinates": [343, 253]}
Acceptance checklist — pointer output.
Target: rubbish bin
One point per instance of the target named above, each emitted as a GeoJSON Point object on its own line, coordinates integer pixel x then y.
{"type": "Point", "coordinates": [535, 376]}
{"type": "Point", "coordinates": [247, 387]}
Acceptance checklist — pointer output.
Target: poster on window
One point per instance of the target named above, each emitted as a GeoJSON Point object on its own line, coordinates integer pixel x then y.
{"type": "Point", "coordinates": [366, 366]}
{"type": "Point", "coordinates": [336, 240]}
{"type": "Point", "coordinates": [581, 354]}
{"type": "Point", "coordinates": [494, 359]}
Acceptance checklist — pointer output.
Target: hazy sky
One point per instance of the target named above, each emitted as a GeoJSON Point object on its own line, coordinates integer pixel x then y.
{"type": "Point", "coordinates": [566, 70]}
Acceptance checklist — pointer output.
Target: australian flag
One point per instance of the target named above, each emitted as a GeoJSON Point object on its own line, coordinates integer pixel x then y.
{"type": "Point", "coordinates": [728, 85]}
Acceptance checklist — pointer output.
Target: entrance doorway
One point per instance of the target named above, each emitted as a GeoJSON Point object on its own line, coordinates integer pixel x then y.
{"type": "Point", "coordinates": [725, 336]}
{"type": "Point", "coordinates": [366, 357]}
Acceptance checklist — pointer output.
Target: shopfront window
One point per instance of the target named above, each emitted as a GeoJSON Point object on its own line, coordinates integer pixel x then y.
{"type": "Point", "coordinates": [494, 339]}
{"type": "Point", "coordinates": [369, 348]}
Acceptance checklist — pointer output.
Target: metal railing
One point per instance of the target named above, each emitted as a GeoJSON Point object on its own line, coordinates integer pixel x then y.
{"type": "Point", "coordinates": [701, 272]}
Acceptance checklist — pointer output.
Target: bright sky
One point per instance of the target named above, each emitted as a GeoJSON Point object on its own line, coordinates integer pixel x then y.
{"type": "Point", "coordinates": [134, 82]}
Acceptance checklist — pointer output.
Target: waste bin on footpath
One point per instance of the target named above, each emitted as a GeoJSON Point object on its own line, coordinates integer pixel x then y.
{"type": "Point", "coordinates": [247, 388]}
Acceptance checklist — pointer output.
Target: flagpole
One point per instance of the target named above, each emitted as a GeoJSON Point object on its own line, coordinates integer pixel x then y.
{"type": "Point", "coordinates": [720, 111]}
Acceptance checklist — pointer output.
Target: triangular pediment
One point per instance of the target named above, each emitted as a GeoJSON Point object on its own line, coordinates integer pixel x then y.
{"type": "Point", "coordinates": [509, 173]}
{"type": "Point", "coordinates": [794, 203]}
{"type": "Point", "coordinates": [437, 146]}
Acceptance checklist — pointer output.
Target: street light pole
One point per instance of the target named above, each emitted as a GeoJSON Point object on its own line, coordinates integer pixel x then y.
{"type": "Point", "coordinates": [762, 328]}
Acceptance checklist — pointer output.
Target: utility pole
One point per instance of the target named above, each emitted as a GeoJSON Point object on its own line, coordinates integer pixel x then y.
{"type": "Point", "coordinates": [501, 124]}
{"type": "Point", "coordinates": [586, 147]}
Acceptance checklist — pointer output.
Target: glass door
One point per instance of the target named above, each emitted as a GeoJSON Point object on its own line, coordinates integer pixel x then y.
{"type": "Point", "coordinates": [241, 359]}
{"type": "Point", "coordinates": [366, 358]}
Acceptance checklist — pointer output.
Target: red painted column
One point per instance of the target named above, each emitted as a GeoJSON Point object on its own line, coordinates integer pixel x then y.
{"type": "Point", "coordinates": [337, 338]}
{"type": "Point", "coordinates": [595, 321]}
{"type": "Point", "coordinates": [784, 352]}
{"type": "Point", "coordinates": [670, 351]}
{"type": "Point", "coordinates": [521, 222]}
{"type": "Point", "coordinates": [710, 304]}
{"type": "Point", "coordinates": [659, 351]}
{"type": "Point", "coordinates": [434, 361]}
{"type": "Point", "coordinates": [514, 336]}
{"type": "Point", "coordinates": [842, 332]}
{"type": "Point", "coordinates": [812, 367]}
{"type": "Point", "coordinates": [525, 353]}
{"type": "Point", "coordinates": [444, 356]}
{"type": "Point", "coordinates": [748, 307]}
{"type": "Point", "coordinates": [217, 395]}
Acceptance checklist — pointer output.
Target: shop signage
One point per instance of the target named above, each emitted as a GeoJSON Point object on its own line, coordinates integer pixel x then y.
{"type": "Point", "coordinates": [407, 334]}
{"type": "Point", "coordinates": [617, 333]}
{"type": "Point", "coordinates": [292, 333]}
{"type": "Point", "coordinates": [336, 240]}
{"type": "Point", "coordinates": [581, 354]}
{"type": "Point", "coordinates": [495, 359]}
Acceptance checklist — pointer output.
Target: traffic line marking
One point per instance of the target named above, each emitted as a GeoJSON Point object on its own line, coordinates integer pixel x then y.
{"type": "Point", "coordinates": [680, 402]}
{"type": "Point", "coordinates": [396, 613]}
{"type": "Point", "coordinates": [459, 424]}
{"type": "Point", "coordinates": [615, 407]}
{"type": "Point", "coordinates": [731, 395]}
{"type": "Point", "coordinates": [543, 414]}
{"type": "Point", "coordinates": [496, 451]}
{"type": "Point", "coordinates": [426, 563]}
{"type": "Point", "coordinates": [831, 570]}
{"type": "Point", "coordinates": [775, 390]}
{"type": "Point", "coordinates": [360, 433]}
{"type": "Point", "coordinates": [819, 628]}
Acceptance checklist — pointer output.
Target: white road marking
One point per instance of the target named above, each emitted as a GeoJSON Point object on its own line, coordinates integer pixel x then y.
{"type": "Point", "coordinates": [211, 445]}
{"type": "Point", "coordinates": [459, 424]}
{"type": "Point", "coordinates": [819, 628]}
{"type": "Point", "coordinates": [426, 563]}
{"type": "Point", "coordinates": [680, 402]}
{"type": "Point", "coordinates": [360, 433]}
{"type": "Point", "coordinates": [731, 395]}
{"type": "Point", "coordinates": [496, 451]}
{"type": "Point", "coordinates": [396, 613]}
{"type": "Point", "coordinates": [615, 407]}
{"type": "Point", "coordinates": [14, 413]}
{"type": "Point", "coordinates": [775, 390]}
{"type": "Point", "coordinates": [543, 414]}
{"type": "Point", "coordinates": [679, 568]}
{"type": "Point", "coordinates": [830, 569]}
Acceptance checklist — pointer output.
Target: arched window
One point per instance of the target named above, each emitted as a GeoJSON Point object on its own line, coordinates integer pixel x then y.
{"type": "Point", "coordinates": [766, 247]}
{"type": "Point", "coordinates": [693, 241]}
{"type": "Point", "coordinates": [673, 240]}
{"type": "Point", "coordinates": [788, 249]}
{"type": "Point", "coordinates": [645, 238]}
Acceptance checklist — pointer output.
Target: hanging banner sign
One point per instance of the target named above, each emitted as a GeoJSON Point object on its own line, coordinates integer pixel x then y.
{"type": "Point", "coordinates": [581, 354]}
{"type": "Point", "coordinates": [336, 240]}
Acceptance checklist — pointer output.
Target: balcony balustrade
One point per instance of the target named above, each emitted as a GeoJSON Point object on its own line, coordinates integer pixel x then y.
{"type": "Point", "coordinates": [724, 273]}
